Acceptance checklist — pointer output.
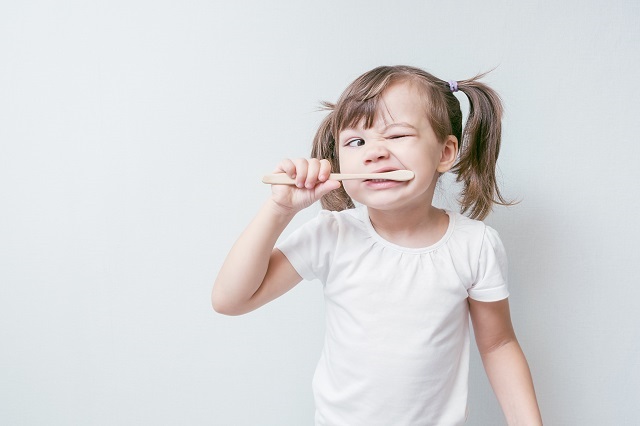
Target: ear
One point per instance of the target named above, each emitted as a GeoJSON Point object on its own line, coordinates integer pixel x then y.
{"type": "Point", "coordinates": [449, 154]}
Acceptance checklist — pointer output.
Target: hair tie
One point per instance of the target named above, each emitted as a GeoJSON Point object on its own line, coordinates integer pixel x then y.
{"type": "Point", "coordinates": [453, 85]}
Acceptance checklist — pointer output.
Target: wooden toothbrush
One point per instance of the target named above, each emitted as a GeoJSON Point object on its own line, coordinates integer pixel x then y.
{"type": "Point", "coordinates": [397, 175]}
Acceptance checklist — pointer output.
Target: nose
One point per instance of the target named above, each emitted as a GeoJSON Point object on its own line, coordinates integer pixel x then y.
{"type": "Point", "coordinates": [375, 152]}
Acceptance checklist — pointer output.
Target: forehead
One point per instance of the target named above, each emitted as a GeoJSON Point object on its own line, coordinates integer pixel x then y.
{"type": "Point", "coordinates": [400, 102]}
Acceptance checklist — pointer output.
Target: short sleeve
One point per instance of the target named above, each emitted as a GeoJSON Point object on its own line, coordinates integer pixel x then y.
{"type": "Point", "coordinates": [490, 284]}
{"type": "Point", "coordinates": [309, 248]}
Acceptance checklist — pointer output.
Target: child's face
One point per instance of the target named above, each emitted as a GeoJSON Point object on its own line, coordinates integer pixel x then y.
{"type": "Point", "coordinates": [401, 138]}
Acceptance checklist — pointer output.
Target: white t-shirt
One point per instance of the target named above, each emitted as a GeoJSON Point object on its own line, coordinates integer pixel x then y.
{"type": "Point", "coordinates": [396, 348]}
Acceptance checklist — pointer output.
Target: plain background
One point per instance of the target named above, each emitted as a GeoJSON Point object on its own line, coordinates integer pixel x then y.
{"type": "Point", "coordinates": [133, 135]}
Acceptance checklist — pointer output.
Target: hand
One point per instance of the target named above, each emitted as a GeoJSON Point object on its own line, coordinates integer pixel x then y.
{"type": "Point", "coordinates": [312, 182]}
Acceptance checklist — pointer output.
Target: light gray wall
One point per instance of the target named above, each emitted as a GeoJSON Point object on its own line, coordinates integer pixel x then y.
{"type": "Point", "coordinates": [132, 138]}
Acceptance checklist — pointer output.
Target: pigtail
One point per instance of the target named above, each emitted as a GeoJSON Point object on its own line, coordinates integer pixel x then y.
{"type": "Point", "coordinates": [324, 147]}
{"type": "Point", "coordinates": [479, 149]}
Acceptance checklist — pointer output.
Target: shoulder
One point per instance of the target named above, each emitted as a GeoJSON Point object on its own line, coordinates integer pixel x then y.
{"type": "Point", "coordinates": [467, 232]}
{"type": "Point", "coordinates": [471, 230]}
{"type": "Point", "coordinates": [312, 247]}
{"type": "Point", "coordinates": [473, 245]}
{"type": "Point", "coordinates": [473, 234]}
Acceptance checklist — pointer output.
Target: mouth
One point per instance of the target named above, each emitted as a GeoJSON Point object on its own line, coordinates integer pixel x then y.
{"type": "Point", "coordinates": [383, 170]}
{"type": "Point", "coordinates": [383, 184]}
{"type": "Point", "coordinates": [378, 180]}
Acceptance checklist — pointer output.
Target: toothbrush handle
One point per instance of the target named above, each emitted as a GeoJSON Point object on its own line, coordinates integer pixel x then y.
{"type": "Point", "coordinates": [398, 175]}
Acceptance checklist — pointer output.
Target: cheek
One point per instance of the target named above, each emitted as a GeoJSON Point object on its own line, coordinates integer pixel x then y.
{"type": "Point", "coordinates": [350, 188]}
{"type": "Point", "coordinates": [345, 161]}
{"type": "Point", "coordinates": [349, 185]}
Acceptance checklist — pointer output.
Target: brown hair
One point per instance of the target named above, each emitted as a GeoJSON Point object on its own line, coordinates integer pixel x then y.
{"type": "Point", "coordinates": [479, 141]}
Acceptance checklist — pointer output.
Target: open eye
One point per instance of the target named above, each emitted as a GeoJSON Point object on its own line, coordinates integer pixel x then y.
{"type": "Point", "coordinates": [355, 142]}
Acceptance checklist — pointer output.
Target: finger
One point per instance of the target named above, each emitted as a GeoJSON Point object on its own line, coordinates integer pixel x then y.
{"type": "Point", "coordinates": [301, 171]}
{"type": "Point", "coordinates": [287, 166]}
{"type": "Point", "coordinates": [325, 170]}
{"type": "Point", "coordinates": [312, 173]}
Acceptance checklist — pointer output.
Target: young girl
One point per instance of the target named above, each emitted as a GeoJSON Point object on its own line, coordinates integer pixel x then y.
{"type": "Point", "coordinates": [400, 276]}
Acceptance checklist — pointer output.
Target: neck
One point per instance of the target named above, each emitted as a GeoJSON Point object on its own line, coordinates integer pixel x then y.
{"type": "Point", "coordinates": [416, 227]}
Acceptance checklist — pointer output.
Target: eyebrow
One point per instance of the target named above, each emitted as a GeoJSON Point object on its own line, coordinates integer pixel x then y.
{"type": "Point", "coordinates": [384, 129]}
{"type": "Point", "coordinates": [401, 124]}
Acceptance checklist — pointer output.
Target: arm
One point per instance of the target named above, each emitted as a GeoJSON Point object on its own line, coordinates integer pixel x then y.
{"type": "Point", "coordinates": [255, 273]}
{"type": "Point", "coordinates": [504, 362]}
